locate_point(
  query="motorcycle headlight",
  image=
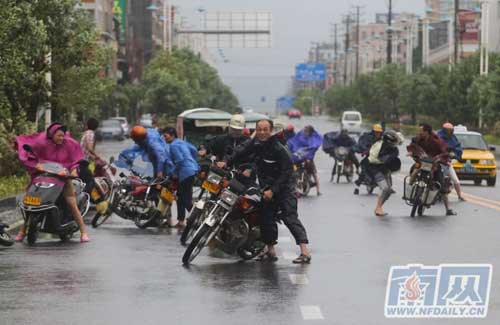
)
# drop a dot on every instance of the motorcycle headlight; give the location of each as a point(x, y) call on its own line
point(486, 162)
point(229, 197)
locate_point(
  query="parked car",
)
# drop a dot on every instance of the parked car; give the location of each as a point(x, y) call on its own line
point(352, 122)
point(478, 161)
point(294, 113)
point(124, 123)
point(110, 129)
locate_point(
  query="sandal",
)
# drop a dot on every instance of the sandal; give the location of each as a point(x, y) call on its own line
point(302, 259)
point(267, 257)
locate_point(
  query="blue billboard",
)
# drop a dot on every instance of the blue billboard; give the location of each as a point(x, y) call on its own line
point(310, 72)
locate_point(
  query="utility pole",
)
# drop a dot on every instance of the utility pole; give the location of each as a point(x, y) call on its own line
point(357, 40)
point(389, 34)
point(347, 44)
point(336, 51)
point(457, 31)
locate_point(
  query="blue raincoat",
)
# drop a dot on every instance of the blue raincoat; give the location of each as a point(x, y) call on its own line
point(154, 149)
point(304, 147)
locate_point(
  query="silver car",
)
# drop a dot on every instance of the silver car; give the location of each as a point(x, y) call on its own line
point(110, 129)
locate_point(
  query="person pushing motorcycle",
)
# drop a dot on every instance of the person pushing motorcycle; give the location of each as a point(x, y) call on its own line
point(275, 174)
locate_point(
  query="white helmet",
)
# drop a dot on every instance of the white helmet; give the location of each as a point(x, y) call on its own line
point(237, 122)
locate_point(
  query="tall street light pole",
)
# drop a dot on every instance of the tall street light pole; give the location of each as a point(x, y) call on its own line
point(389, 34)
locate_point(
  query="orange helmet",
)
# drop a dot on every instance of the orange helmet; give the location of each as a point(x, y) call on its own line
point(138, 133)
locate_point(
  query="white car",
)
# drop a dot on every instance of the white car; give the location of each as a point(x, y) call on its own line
point(124, 123)
point(352, 122)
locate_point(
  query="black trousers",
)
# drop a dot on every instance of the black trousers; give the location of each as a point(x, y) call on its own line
point(283, 206)
point(185, 197)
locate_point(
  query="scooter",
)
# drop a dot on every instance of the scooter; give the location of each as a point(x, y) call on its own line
point(44, 207)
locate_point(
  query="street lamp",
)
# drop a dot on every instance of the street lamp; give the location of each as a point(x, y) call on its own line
point(484, 54)
point(166, 23)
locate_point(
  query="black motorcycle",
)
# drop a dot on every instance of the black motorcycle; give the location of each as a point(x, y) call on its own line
point(231, 224)
point(422, 190)
point(5, 239)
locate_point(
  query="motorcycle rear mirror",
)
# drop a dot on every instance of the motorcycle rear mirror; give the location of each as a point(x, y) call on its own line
point(27, 148)
point(111, 160)
point(122, 174)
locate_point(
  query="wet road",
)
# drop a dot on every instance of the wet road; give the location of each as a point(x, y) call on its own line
point(130, 276)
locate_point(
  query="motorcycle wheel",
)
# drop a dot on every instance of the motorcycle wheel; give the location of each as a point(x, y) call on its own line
point(32, 231)
point(421, 210)
point(191, 226)
point(66, 237)
point(339, 173)
point(99, 219)
point(248, 253)
point(144, 221)
point(5, 239)
point(199, 241)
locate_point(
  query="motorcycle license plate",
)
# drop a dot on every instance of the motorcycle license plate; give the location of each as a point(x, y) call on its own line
point(32, 200)
point(211, 187)
point(95, 195)
point(167, 195)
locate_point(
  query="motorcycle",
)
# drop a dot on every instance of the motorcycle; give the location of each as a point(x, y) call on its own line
point(343, 166)
point(231, 224)
point(43, 206)
point(422, 191)
point(301, 167)
point(212, 185)
point(5, 239)
point(139, 198)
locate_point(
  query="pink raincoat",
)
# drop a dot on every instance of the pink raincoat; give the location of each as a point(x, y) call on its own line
point(68, 154)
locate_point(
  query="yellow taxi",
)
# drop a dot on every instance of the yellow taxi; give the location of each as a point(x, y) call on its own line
point(478, 160)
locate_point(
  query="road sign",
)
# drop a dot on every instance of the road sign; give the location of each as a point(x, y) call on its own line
point(310, 72)
point(285, 102)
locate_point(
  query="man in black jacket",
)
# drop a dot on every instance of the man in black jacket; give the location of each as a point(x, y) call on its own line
point(275, 173)
point(223, 146)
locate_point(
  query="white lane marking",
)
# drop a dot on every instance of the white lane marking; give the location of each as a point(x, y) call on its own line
point(284, 239)
point(289, 256)
point(299, 279)
point(311, 312)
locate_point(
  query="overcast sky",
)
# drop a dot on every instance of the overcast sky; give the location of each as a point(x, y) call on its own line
point(257, 73)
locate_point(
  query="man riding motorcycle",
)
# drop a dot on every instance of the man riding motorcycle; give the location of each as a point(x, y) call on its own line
point(275, 174)
point(54, 145)
point(437, 149)
point(310, 140)
point(446, 133)
point(365, 142)
point(345, 140)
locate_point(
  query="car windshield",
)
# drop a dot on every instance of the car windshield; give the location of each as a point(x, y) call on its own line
point(351, 117)
point(111, 123)
point(472, 141)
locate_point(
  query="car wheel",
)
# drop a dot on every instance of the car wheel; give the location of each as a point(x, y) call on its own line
point(478, 182)
point(491, 181)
